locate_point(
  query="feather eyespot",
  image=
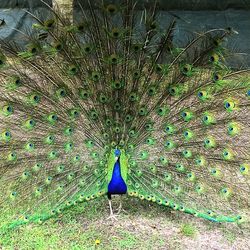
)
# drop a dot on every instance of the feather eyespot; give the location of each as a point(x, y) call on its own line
point(111, 8)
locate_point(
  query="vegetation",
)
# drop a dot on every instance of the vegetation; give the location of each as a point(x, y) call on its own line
point(188, 229)
point(140, 226)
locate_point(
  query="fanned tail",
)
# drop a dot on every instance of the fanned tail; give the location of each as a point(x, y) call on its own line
point(116, 79)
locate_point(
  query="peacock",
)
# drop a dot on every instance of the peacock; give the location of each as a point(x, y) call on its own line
point(109, 104)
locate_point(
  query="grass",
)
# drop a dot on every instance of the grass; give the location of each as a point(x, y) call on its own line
point(140, 226)
point(188, 229)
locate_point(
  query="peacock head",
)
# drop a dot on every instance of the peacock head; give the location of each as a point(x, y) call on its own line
point(117, 154)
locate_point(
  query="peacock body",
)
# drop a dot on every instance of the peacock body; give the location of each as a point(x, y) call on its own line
point(110, 105)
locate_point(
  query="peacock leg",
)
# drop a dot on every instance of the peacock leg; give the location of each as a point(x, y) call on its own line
point(110, 207)
point(112, 216)
point(120, 207)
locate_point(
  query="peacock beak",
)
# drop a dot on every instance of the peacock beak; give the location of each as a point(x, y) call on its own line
point(116, 158)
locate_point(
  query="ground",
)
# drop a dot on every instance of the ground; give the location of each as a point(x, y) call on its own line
point(140, 226)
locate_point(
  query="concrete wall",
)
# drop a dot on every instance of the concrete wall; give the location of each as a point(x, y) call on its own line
point(194, 15)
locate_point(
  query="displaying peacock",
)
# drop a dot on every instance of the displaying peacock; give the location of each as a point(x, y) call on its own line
point(109, 104)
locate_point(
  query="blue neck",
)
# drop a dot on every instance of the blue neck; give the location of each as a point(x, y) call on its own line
point(117, 185)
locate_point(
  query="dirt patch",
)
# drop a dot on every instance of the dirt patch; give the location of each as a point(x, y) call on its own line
point(165, 233)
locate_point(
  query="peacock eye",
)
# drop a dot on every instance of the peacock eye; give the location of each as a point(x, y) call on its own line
point(59, 47)
point(33, 50)
point(132, 97)
point(80, 27)
point(54, 117)
point(172, 91)
point(87, 49)
point(152, 26)
point(111, 8)
point(116, 34)
point(212, 59)
point(95, 76)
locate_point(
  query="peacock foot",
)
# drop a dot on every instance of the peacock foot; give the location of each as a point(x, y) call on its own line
point(113, 217)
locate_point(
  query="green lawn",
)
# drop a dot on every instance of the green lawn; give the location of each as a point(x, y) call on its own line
point(141, 226)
